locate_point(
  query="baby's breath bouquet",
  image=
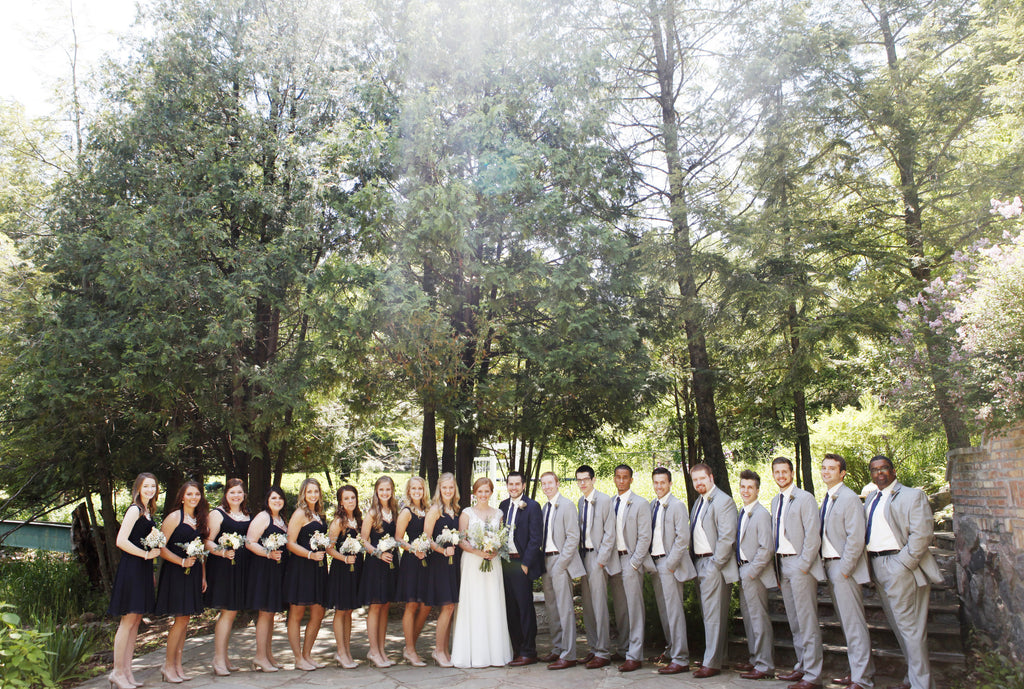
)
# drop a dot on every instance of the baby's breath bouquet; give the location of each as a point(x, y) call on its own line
point(490, 538)
point(448, 538)
point(351, 546)
point(194, 548)
point(385, 544)
point(421, 544)
point(230, 541)
point(274, 541)
point(154, 540)
point(319, 541)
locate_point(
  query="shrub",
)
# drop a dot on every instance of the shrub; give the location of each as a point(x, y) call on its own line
point(23, 660)
point(47, 585)
point(67, 649)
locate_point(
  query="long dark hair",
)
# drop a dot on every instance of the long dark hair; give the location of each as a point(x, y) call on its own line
point(266, 502)
point(202, 509)
point(149, 509)
point(339, 512)
point(231, 483)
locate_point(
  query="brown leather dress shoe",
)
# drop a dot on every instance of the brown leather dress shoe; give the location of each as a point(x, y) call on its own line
point(587, 658)
point(549, 658)
point(520, 661)
point(794, 676)
point(757, 674)
point(706, 672)
point(561, 664)
point(630, 666)
point(843, 681)
point(598, 663)
point(673, 669)
point(804, 684)
point(743, 667)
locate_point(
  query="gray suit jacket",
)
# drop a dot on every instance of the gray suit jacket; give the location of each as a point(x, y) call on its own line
point(910, 518)
point(636, 531)
point(565, 532)
point(803, 530)
point(675, 530)
point(602, 531)
point(719, 522)
point(844, 527)
point(758, 545)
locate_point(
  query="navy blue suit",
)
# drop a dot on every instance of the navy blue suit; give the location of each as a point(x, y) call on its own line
point(522, 619)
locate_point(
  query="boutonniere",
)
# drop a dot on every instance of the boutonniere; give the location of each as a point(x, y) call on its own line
point(520, 504)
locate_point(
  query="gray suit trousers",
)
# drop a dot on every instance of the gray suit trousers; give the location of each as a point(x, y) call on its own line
point(561, 612)
point(668, 592)
point(594, 586)
point(800, 594)
point(849, 602)
point(906, 607)
point(714, 604)
point(756, 621)
point(628, 600)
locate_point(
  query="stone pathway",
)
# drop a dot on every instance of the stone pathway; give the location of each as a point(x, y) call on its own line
point(199, 650)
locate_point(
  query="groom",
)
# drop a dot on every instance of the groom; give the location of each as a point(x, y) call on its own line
point(525, 563)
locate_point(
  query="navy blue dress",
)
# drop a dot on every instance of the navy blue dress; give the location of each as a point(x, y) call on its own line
point(343, 582)
point(379, 579)
point(226, 583)
point(179, 594)
point(443, 578)
point(266, 578)
point(413, 583)
point(305, 580)
point(133, 590)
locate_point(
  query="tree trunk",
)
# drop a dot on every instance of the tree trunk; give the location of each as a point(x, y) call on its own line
point(448, 447)
point(428, 447)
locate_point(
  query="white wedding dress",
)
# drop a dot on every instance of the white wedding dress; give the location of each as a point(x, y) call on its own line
point(480, 637)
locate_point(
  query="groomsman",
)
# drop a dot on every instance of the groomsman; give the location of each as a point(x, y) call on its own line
point(632, 544)
point(525, 563)
point(562, 563)
point(755, 552)
point(842, 550)
point(713, 542)
point(899, 531)
point(797, 529)
point(597, 546)
point(671, 566)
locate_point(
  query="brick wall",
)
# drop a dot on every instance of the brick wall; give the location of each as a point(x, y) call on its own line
point(987, 485)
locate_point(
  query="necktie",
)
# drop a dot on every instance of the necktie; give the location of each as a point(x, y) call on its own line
point(654, 518)
point(778, 522)
point(583, 527)
point(824, 511)
point(617, 498)
point(547, 519)
point(511, 519)
point(739, 534)
point(696, 514)
point(871, 516)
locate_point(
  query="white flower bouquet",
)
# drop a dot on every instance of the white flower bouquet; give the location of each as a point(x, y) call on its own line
point(448, 538)
point(351, 546)
point(155, 540)
point(421, 544)
point(319, 541)
point(385, 544)
point(274, 541)
point(230, 541)
point(490, 538)
point(194, 548)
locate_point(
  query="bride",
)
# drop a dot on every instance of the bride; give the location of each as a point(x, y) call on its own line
point(481, 636)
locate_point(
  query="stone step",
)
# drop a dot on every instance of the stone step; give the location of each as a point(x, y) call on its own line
point(941, 637)
point(835, 654)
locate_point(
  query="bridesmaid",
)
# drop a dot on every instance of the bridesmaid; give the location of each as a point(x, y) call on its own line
point(377, 585)
point(182, 578)
point(305, 579)
point(227, 570)
point(442, 577)
point(133, 595)
point(343, 581)
point(266, 577)
point(412, 579)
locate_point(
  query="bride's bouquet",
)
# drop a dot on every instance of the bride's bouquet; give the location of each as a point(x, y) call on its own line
point(319, 541)
point(421, 544)
point(448, 538)
point(231, 541)
point(351, 546)
point(155, 540)
point(194, 548)
point(385, 544)
point(490, 538)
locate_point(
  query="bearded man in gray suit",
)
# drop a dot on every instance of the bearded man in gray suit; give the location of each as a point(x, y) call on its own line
point(796, 526)
point(842, 551)
point(670, 567)
point(560, 543)
point(899, 530)
point(755, 552)
point(597, 548)
point(712, 544)
point(633, 545)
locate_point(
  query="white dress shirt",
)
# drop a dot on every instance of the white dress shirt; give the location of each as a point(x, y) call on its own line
point(827, 549)
point(589, 506)
point(620, 539)
point(747, 509)
point(701, 544)
point(513, 510)
point(881, 537)
point(785, 547)
point(658, 537)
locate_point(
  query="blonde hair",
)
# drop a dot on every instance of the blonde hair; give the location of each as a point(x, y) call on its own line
point(318, 508)
point(438, 501)
point(376, 512)
point(424, 502)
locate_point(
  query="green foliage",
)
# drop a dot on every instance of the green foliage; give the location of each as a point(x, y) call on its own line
point(67, 648)
point(992, 670)
point(47, 586)
point(860, 432)
point(23, 659)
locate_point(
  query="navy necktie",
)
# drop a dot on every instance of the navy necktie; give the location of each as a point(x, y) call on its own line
point(583, 527)
point(824, 511)
point(617, 498)
point(654, 518)
point(778, 522)
point(739, 534)
point(547, 519)
point(696, 515)
point(871, 516)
